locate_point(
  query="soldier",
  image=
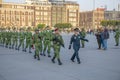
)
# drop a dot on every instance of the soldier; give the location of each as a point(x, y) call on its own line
point(57, 43)
point(21, 39)
point(41, 34)
point(47, 41)
point(4, 37)
point(15, 38)
point(117, 36)
point(8, 38)
point(83, 35)
point(75, 40)
point(36, 42)
point(28, 39)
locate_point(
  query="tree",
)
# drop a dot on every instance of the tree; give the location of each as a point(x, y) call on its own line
point(104, 23)
point(63, 25)
point(40, 26)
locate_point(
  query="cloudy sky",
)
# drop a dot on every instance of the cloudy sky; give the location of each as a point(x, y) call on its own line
point(87, 4)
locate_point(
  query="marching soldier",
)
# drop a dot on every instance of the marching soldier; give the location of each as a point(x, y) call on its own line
point(8, 38)
point(47, 41)
point(21, 39)
point(117, 36)
point(83, 35)
point(41, 34)
point(36, 43)
point(28, 39)
point(15, 38)
point(57, 43)
point(75, 40)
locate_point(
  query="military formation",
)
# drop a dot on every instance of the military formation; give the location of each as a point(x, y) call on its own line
point(42, 41)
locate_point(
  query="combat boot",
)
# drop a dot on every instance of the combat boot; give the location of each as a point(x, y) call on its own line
point(30, 50)
point(49, 55)
point(59, 62)
point(38, 57)
point(25, 50)
point(53, 59)
point(34, 56)
point(44, 54)
point(41, 54)
point(12, 47)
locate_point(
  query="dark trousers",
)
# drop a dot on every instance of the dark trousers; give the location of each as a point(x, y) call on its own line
point(76, 55)
point(99, 43)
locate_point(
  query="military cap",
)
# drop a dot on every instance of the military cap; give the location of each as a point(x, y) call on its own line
point(76, 29)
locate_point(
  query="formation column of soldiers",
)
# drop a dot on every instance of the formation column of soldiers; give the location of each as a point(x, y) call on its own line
point(41, 41)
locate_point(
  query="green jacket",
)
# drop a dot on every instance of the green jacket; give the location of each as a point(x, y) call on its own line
point(117, 34)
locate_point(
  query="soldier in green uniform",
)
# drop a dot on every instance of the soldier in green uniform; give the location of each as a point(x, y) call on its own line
point(14, 38)
point(117, 36)
point(47, 41)
point(8, 38)
point(57, 43)
point(4, 37)
point(41, 42)
point(21, 39)
point(36, 43)
point(28, 39)
point(83, 35)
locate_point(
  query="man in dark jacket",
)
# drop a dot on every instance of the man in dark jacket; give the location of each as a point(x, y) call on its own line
point(75, 39)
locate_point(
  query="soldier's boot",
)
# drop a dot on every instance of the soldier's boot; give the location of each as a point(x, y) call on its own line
point(16, 48)
point(53, 60)
point(116, 45)
point(6, 46)
point(12, 46)
point(41, 53)
point(49, 55)
point(44, 54)
point(34, 56)
point(25, 50)
point(59, 62)
point(30, 50)
point(38, 57)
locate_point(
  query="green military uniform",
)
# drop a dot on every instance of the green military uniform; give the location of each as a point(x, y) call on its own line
point(57, 43)
point(83, 34)
point(36, 42)
point(4, 37)
point(117, 36)
point(47, 41)
point(9, 38)
point(28, 40)
point(21, 39)
point(41, 45)
point(15, 39)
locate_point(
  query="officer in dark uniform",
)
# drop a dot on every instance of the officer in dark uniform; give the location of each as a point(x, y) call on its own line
point(75, 39)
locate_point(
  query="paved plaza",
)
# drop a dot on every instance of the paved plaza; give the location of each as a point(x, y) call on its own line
point(95, 64)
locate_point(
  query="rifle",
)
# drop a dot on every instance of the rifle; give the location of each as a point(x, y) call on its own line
point(57, 40)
